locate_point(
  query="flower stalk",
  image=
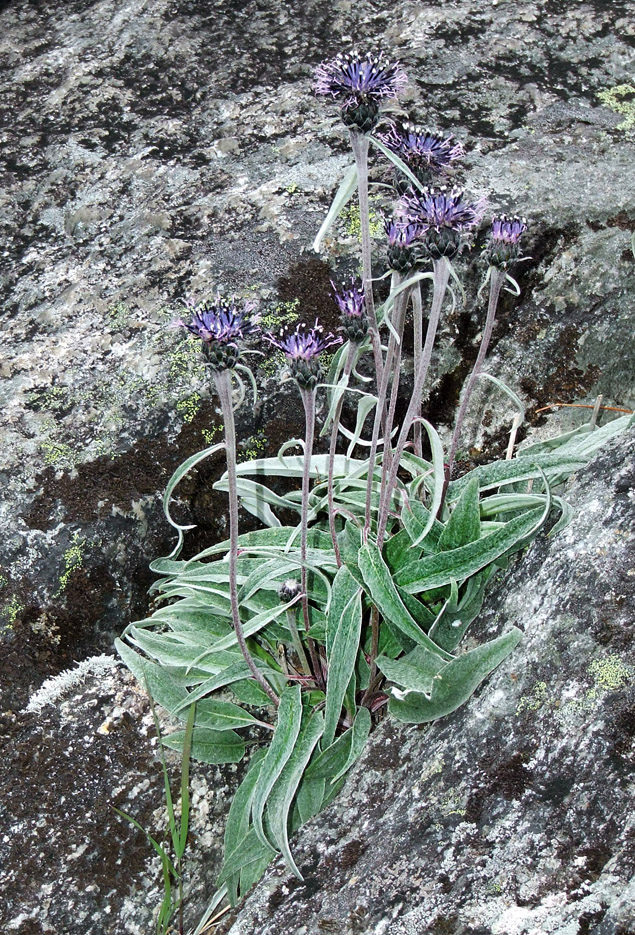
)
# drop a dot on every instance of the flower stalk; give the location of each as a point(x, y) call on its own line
point(393, 354)
point(308, 401)
point(222, 381)
point(359, 143)
point(348, 366)
point(441, 276)
point(497, 280)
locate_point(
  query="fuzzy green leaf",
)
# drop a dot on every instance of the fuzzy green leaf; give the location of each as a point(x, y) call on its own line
point(454, 684)
point(464, 525)
point(413, 672)
point(382, 590)
point(343, 195)
point(281, 796)
point(222, 715)
point(280, 749)
point(342, 662)
point(434, 571)
point(209, 746)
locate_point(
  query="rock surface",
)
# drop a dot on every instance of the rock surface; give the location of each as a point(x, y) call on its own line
point(152, 150)
point(514, 815)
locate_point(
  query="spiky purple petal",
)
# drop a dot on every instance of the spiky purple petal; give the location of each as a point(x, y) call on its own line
point(303, 344)
point(351, 302)
point(508, 230)
point(442, 209)
point(354, 79)
point(421, 149)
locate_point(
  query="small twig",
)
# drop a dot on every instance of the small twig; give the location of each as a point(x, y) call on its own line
point(584, 406)
point(214, 919)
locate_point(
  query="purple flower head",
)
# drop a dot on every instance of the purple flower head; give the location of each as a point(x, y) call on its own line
point(442, 209)
point(352, 306)
point(442, 217)
point(350, 302)
point(508, 230)
point(302, 350)
point(360, 83)
point(403, 244)
point(354, 77)
point(221, 325)
point(422, 151)
point(505, 236)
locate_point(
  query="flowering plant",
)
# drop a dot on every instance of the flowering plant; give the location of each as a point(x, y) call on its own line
point(307, 634)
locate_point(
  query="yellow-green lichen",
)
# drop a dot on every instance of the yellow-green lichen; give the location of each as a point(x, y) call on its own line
point(621, 99)
point(273, 364)
point(212, 434)
point(73, 559)
point(57, 452)
point(189, 407)
point(352, 224)
point(186, 362)
point(535, 700)
point(253, 447)
point(610, 673)
point(452, 803)
point(118, 315)
point(284, 314)
point(11, 611)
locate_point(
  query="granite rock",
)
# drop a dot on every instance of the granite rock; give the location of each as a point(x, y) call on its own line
point(155, 150)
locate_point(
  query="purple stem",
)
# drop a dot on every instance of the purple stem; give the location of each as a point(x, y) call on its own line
point(441, 277)
point(497, 279)
point(380, 416)
point(308, 401)
point(222, 379)
point(417, 314)
point(359, 143)
point(336, 421)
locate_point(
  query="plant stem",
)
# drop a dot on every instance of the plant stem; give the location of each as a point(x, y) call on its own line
point(374, 650)
point(380, 417)
point(441, 276)
point(359, 143)
point(497, 278)
point(308, 401)
point(394, 392)
point(417, 314)
point(336, 421)
point(222, 379)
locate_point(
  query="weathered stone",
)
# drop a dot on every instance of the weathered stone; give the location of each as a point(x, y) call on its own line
point(151, 150)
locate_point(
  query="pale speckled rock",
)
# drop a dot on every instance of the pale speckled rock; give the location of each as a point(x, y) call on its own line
point(86, 743)
point(514, 815)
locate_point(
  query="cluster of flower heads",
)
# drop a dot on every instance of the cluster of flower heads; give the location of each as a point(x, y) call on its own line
point(222, 325)
point(428, 223)
point(360, 83)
